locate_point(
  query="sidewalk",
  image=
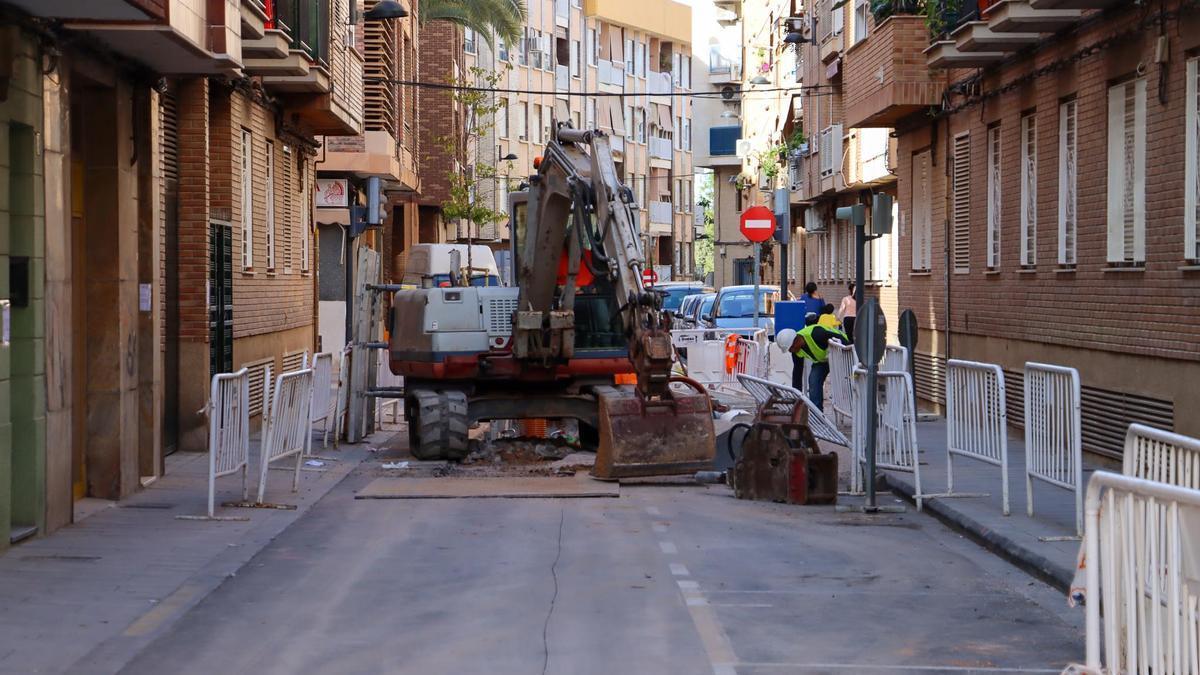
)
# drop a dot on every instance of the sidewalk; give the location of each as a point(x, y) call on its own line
point(1015, 537)
point(88, 597)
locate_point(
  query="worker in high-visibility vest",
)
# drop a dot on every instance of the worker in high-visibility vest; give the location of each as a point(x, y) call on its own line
point(812, 343)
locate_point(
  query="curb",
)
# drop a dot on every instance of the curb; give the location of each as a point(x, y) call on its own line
point(1023, 557)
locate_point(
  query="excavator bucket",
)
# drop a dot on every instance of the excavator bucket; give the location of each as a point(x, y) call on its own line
point(653, 438)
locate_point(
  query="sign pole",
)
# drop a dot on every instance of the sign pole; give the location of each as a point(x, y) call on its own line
point(757, 255)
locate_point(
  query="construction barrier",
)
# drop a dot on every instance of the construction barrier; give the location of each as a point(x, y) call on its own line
point(342, 397)
point(1141, 539)
point(385, 379)
point(765, 391)
point(323, 393)
point(895, 430)
point(841, 366)
point(228, 430)
point(976, 420)
point(1053, 440)
point(895, 359)
point(1162, 456)
point(287, 424)
point(716, 356)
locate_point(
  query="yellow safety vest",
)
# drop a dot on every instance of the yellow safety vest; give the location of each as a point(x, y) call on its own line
point(818, 355)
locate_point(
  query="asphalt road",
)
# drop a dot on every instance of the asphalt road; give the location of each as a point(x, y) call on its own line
point(661, 580)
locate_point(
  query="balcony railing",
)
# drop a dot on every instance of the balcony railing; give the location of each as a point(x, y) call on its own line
point(660, 213)
point(723, 140)
point(719, 64)
point(943, 23)
point(562, 78)
point(308, 21)
point(660, 148)
point(659, 83)
point(610, 73)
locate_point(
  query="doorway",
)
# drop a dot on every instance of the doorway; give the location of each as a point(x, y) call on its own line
point(220, 300)
point(743, 271)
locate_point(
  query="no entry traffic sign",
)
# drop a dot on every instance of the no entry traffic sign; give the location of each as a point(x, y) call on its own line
point(758, 223)
point(649, 276)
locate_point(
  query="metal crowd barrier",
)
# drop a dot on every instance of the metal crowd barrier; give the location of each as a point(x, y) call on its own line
point(286, 425)
point(976, 420)
point(1053, 440)
point(1162, 456)
point(896, 428)
point(1141, 538)
point(765, 391)
point(228, 430)
point(322, 398)
point(841, 367)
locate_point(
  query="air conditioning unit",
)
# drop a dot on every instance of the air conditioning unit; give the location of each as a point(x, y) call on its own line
point(743, 148)
point(813, 222)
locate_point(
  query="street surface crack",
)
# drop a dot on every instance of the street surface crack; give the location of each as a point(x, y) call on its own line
point(562, 514)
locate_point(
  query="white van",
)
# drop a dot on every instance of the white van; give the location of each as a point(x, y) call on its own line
point(431, 266)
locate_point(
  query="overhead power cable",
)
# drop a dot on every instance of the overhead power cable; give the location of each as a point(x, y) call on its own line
point(810, 90)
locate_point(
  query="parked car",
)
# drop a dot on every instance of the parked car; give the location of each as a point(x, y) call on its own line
point(674, 292)
point(702, 306)
point(685, 316)
point(734, 308)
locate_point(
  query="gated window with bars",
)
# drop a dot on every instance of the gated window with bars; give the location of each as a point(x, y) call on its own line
point(961, 203)
point(1067, 158)
point(306, 205)
point(1191, 212)
point(922, 243)
point(995, 203)
point(1028, 190)
point(247, 202)
point(220, 300)
point(270, 199)
point(1127, 172)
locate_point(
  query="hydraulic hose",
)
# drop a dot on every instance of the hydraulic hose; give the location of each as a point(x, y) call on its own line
point(729, 439)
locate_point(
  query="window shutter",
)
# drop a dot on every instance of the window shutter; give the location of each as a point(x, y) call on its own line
point(1116, 174)
point(836, 144)
point(961, 202)
point(1028, 190)
point(1067, 157)
point(1192, 161)
point(1139, 172)
point(921, 243)
point(995, 204)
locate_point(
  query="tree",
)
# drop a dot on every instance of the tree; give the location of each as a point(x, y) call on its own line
point(506, 18)
point(704, 247)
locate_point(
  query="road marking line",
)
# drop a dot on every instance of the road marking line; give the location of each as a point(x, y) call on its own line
point(151, 620)
point(739, 604)
point(862, 667)
point(688, 585)
point(668, 548)
point(659, 528)
point(723, 669)
point(653, 510)
point(697, 602)
point(679, 570)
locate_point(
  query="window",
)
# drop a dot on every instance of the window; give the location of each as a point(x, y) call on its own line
point(535, 123)
point(522, 123)
point(1067, 156)
point(1127, 172)
point(575, 119)
point(1028, 190)
point(470, 41)
point(591, 114)
point(501, 49)
point(575, 67)
point(247, 203)
point(862, 9)
point(306, 206)
point(547, 120)
point(629, 121)
point(641, 125)
point(679, 136)
point(645, 65)
point(1191, 199)
point(960, 220)
point(687, 134)
point(502, 118)
point(995, 203)
point(270, 199)
point(591, 46)
point(640, 59)
point(630, 58)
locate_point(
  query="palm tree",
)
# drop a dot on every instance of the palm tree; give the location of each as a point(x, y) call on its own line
point(506, 18)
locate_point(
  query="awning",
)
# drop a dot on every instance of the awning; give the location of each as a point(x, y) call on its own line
point(616, 47)
point(562, 111)
point(617, 113)
point(662, 117)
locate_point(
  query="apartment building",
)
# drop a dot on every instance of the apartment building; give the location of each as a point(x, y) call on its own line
point(844, 156)
point(1047, 181)
point(636, 53)
point(157, 161)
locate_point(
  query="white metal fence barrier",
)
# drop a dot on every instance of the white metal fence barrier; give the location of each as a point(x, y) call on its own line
point(841, 367)
point(895, 359)
point(896, 429)
point(228, 430)
point(976, 421)
point(765, 390)
point(716, 356)
point(1162, 456)
point(1142, 539)
point(342, 397)
point(385, 379)
point(1053, 440)
point(323, 393)
point(286, 429)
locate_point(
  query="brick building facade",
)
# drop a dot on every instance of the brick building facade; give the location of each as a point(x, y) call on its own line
point(1045, 213)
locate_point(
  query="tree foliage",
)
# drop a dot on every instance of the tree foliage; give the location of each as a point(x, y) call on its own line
point(506, 18)
point(481, 108)
point(703, 250)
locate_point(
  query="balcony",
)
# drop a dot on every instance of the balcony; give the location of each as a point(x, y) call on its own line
point(945, 54)
point(661, 218)
point(660, 148)
point(274, 44)
point(611, 74)
point(658, 84)
point(977, 36)
point(722, 70)
point(254, 19)
point(1018, 16)
point(666, 18)
point(562, 80)
point(1071, 4)
point(722, 145)
point(375, 153)
point(885, 79)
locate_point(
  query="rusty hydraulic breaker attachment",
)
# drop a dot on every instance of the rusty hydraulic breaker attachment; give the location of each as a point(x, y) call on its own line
point(782, 463)
point(642, 436)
